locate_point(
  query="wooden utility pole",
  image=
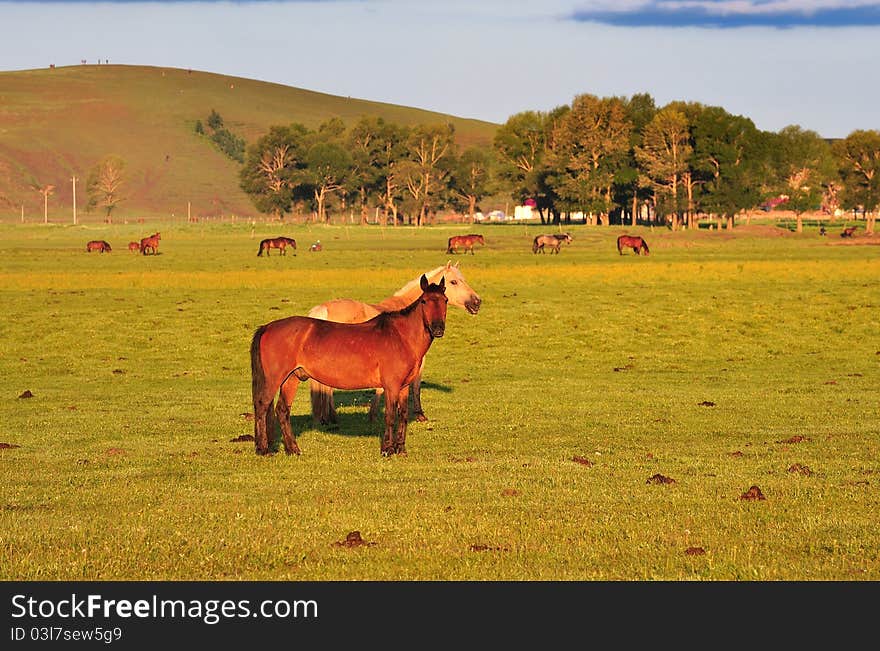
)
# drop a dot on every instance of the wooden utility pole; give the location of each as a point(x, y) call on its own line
point(74, 199)
point(46, 192)
point(188, 212)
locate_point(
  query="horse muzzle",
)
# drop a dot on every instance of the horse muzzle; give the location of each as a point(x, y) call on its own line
point(473, 304)
point(437, 329)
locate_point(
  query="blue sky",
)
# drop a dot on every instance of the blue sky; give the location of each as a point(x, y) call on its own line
point(780, 62)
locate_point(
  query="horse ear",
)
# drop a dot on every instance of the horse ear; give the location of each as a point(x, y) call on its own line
point(458, 264)
point(423, 283)
point(449, 264)
point(442, 283)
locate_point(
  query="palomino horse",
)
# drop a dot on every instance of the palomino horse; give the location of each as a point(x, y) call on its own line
point(134, 246)
point(465, 242)
point(280, 243)
point(98, 245)
point(553, 241)
point(385, 352)
point(345, 310)
point(637, 244)
point(152, 243)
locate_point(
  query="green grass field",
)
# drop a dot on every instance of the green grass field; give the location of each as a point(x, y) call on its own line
point(722, 361)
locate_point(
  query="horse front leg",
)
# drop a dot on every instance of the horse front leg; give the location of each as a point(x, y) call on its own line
point(282, 411)
point(416, 387)
point(402, 408)
point(387, 448)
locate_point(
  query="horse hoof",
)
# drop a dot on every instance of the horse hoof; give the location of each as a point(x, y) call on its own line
point(263, 452)
point(295, 451)
point(421, 417)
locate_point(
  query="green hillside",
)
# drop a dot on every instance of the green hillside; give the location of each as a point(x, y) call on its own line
point(59, 122)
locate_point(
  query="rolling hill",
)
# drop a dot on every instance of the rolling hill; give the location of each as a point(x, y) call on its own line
point(56, 123)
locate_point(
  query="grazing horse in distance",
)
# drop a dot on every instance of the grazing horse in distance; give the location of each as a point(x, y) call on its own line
point(151, 243)
point(345, 310)
point(134, 246)
point(637, 244)
point(553, 241)
point(98, 245)
point(848, 231)
point(464, 241)
point(280, 243)
point(385, 352)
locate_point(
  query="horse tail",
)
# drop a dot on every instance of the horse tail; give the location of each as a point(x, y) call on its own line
point(260, 252)
point(258, 375)
point(645, 247)
point(535, 244)
point(322, 401)
point(619, 247)
point(449, 245)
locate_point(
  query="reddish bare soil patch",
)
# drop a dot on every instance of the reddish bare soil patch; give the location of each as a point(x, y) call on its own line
point(706, 403)
point(754, 493)
point(242, 438)
point(462, 459)
point(797, 438)
point(247, 415)
point(8, 446)
point(510, 492)
point(737, 453)
point(800, 469)
point(583, 461)
point(694, 551)
point(353, 539)
point(27, 394)
point(111, 452)
point(660, 479)
point(488, 548)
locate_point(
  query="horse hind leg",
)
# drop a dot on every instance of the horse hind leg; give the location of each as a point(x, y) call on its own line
point(374, 405)
point(282, 411)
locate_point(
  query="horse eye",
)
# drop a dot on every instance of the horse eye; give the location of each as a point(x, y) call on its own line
point(453, 282)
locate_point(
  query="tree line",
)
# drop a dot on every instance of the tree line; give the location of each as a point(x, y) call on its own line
point(611, 158)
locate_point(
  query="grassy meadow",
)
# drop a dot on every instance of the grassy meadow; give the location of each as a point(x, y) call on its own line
point(722, 361)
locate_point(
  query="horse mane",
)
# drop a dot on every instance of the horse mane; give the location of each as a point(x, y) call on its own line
point(406, 289)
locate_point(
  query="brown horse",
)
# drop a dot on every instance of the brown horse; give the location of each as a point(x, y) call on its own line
point(637, 244)
point(385, 352)
point(465, 242)
point(345, 310)
point(553, 241)
point(152, 243)
point(134, 246)
point(280, 243)
point(98, 245)
point(315, 247)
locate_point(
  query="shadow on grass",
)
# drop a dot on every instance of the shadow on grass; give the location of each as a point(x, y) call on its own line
point(349, 423)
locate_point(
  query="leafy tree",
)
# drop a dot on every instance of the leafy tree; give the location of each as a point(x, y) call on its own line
point(366, 144)
point(591, 142)
point(471, 178)
point(858, 164)
point(520, 145)
point(663, 157)
point(429, 148)
point(391, 154)
point(727, 155)
point(272, 164)
point(640, 110)
point(199, 129)
point(104, 184)
point(327, 164)
point(805, 167)
point(215, 122)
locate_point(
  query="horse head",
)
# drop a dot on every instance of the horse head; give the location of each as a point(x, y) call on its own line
point(433, 303)
point(459, 293)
